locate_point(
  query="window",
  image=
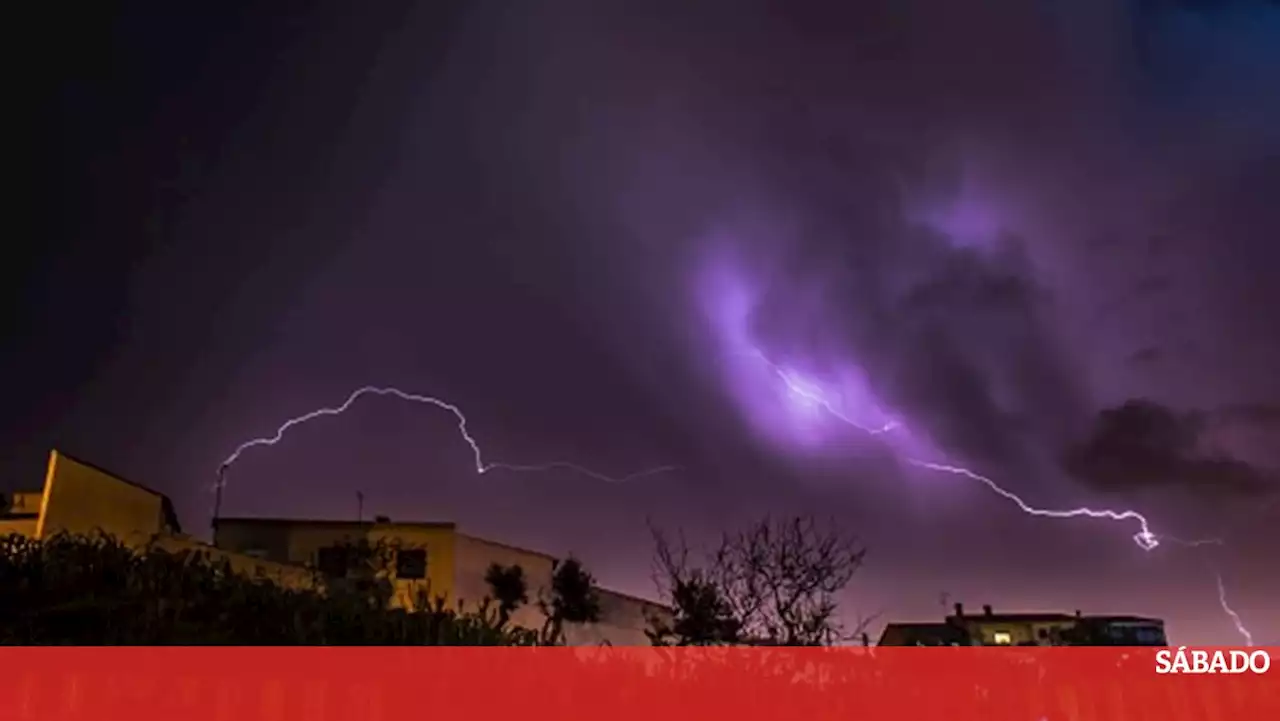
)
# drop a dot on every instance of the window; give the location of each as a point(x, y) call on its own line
point(411, 564)
point(332, 562)
point(1002, 638)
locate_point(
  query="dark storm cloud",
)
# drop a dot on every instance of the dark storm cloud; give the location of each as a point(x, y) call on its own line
point(843, 131)
point(1142, 444)
point(954, 340)
point(917, 180)
point(955, 333)
point(1256, 415)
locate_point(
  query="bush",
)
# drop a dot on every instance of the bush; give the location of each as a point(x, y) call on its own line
point(80, 590)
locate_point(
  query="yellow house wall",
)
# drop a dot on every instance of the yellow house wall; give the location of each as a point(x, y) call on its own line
point(440, 544)
point(25, 501)
point(20, 526)
point(81, 499)
point(299, 544)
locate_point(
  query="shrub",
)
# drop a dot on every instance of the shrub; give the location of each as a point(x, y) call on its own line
point(94, 590)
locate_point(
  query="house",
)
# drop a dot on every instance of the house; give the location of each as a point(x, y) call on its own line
point(1027, 629)
point(82, 499)
point(78, 497)
point(923, 634)
point(431, 559)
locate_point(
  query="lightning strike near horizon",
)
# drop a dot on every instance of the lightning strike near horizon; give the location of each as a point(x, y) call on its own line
point(1145, 538)
point(1235, 617)
point(481, 465)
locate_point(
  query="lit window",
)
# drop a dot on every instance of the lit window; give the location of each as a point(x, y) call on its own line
point(1002, 639)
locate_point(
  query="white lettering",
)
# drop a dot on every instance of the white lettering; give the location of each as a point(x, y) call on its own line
point(1180, 664)
point(1239, 661)
point(1260, 661)
point(1197, 661)
point(1200, 662)
point(1218, 664)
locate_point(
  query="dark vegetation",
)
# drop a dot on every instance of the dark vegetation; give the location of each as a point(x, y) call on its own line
point(772, 584)
point(97, 591)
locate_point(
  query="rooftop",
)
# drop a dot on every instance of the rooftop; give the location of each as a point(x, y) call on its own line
point(923, 634)
point(327, 523)
point(988, 615)
point(1014, 618)
point(387, 523)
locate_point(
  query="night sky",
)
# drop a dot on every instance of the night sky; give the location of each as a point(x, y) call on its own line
point(1038, 239)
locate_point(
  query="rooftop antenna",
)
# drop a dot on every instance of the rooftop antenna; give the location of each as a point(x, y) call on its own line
point(944, 599)
point(359, 507)
point(217, 495)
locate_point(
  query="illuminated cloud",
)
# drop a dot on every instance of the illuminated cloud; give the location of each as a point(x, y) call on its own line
point(798, 400)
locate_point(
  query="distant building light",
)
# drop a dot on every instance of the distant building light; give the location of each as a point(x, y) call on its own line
point(1002, 639)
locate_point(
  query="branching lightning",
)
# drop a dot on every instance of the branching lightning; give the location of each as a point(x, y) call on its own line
point(481, 465)
point(1146, 539)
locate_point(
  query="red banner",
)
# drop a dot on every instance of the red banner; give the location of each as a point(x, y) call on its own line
point(531, 684)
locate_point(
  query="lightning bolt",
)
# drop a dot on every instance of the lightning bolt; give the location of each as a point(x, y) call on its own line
point(1235, 617)
point(481, 465)
point(810, 394)
point(1145, 538)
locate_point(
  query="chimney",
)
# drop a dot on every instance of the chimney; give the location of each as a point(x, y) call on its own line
point(381, 519)
point(959, 610)
point(1078, 614)
point(986, 609)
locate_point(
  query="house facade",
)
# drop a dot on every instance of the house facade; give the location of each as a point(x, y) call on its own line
point(425, 560)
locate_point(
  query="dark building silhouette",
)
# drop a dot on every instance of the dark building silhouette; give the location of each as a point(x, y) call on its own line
point(1027, 629)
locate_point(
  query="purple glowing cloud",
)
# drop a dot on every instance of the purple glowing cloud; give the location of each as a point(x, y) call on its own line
point(797, 409)
point(791, 401)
